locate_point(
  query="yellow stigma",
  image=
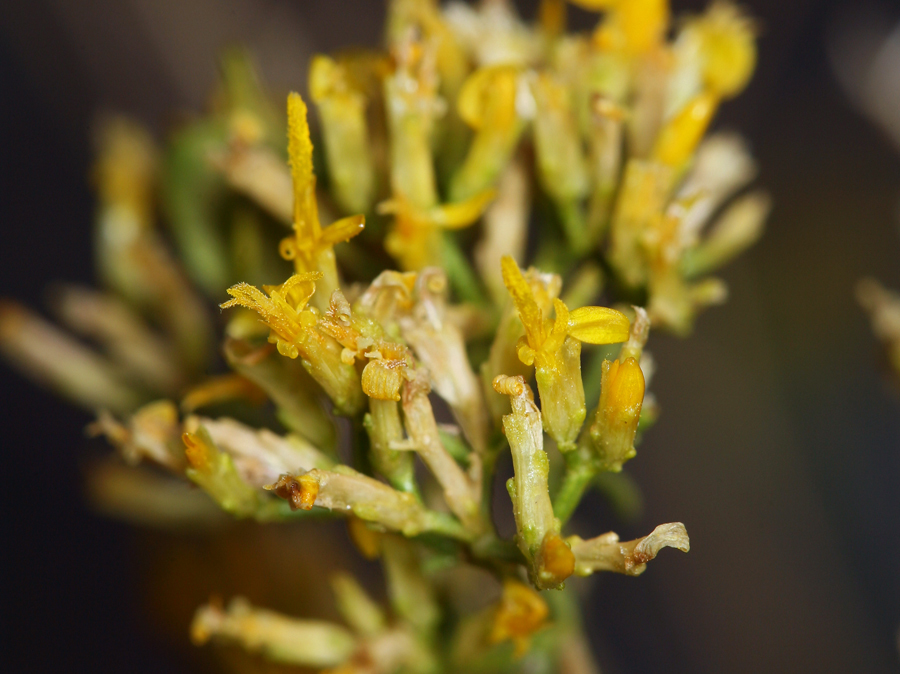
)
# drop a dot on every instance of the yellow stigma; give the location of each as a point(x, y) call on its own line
point(300, 151)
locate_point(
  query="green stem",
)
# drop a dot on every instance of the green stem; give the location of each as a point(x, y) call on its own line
point(578, 476)
point(574, 225)
point(447, 525)
point(460, 273)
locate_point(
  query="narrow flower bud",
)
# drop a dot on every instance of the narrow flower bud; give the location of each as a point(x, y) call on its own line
point(355, 605)
point(44, 353)
point(536, 525)
point(345, 132)
point(347, 491)
point(259, 456)
point(412, 104)
point(298, 401)
point(487, 103)
point(152, 433)
point(738, 228)
point(618, 413)
point(642, 199)
point(410, 592)
point(461, 491)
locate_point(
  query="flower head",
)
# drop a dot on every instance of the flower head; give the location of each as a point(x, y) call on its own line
point(283, 308)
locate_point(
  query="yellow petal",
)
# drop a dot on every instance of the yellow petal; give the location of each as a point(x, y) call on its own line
point(529, 312)
point(343, 229)
point(462, 213)
point(598, 325)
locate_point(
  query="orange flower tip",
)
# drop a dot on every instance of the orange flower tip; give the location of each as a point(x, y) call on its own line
point(557, 560)
point(300, 492)
point(198, 453)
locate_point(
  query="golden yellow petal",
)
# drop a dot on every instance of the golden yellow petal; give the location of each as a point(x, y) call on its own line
point(598, 325)
point(462, 213)
point(625, 394)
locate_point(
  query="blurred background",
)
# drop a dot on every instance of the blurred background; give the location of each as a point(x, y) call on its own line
point(779, 440)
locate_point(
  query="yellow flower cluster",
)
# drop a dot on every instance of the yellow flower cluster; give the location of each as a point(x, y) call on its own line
point(437, 151)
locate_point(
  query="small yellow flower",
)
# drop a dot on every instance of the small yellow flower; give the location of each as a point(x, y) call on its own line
point(296, 333)
point(284, 310)
point(520, 613)
point(727, 43)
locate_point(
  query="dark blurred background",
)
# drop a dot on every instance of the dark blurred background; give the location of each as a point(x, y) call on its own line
point(779, 440)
